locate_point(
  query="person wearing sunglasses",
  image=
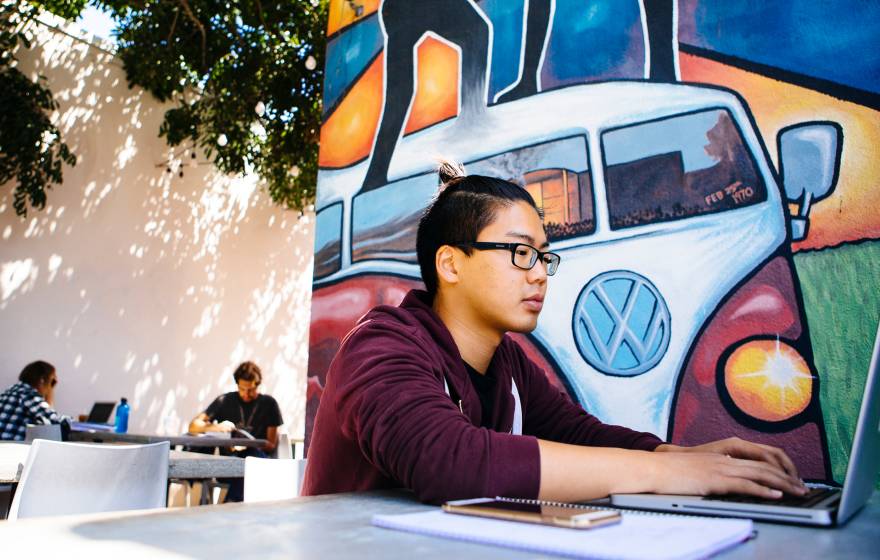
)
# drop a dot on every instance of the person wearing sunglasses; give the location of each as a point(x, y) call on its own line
point(29, 401)
point(432, 395)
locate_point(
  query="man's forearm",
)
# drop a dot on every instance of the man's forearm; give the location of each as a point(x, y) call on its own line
point(573, 473)
point(576, 473)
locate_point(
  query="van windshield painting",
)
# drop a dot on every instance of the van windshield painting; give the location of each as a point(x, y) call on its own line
point(556, 173)
point(678, 167)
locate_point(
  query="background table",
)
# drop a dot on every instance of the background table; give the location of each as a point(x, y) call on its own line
point(338, 526)
point(189, 465)
point(189, 441)
point(181, 464)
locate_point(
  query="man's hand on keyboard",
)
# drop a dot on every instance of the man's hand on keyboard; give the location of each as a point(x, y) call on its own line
point(736, 466)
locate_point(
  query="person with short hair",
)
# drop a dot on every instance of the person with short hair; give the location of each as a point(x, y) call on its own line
point(29, 401)
point(244, 409)
point(432, 395)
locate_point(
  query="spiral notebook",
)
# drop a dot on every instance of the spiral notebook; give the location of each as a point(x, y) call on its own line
point(639, 535)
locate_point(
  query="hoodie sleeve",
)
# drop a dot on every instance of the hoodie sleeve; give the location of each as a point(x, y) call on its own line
point(391, 402)
point(550, 414)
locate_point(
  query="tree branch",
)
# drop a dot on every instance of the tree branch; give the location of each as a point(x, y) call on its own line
point(260, 13)
point(173, 28)
point(200, 27)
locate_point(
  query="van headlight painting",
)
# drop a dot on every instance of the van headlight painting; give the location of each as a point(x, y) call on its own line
point(768, 380)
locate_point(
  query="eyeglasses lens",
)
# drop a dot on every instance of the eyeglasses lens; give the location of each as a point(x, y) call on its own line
point(524, 256)
point(552, 262)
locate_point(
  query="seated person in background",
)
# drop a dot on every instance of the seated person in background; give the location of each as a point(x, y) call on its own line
point(244, 409)
point(29, 401)
point(433, 396)
point(248, 410)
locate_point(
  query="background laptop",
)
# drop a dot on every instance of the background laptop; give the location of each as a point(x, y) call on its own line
point(98, 420)
point(823, 505)
point(100, 413)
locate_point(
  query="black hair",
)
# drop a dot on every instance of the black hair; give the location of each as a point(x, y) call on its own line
point(36, 372)
point(248, 371)
point(465, 205)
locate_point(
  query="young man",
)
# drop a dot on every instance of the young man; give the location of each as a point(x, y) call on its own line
point(244, 408)
point(247, 409)
point(433, 396)
point(29, 401)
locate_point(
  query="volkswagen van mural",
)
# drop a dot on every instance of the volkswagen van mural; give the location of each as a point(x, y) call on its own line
point(676, 309)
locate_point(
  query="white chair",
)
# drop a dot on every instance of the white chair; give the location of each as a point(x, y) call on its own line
point(272, 479)
point(284, 449)
point(65, 478)
point(51, 432)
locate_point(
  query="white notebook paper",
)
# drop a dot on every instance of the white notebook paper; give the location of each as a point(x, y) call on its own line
point(12, 459)
point(637, 536)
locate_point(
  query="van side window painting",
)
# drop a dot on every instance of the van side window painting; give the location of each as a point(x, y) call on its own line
point(328, 238)
point(567, 200)
point(678, 167)
point(384, 220)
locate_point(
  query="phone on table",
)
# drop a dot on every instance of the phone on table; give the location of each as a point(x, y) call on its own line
point(572, 517)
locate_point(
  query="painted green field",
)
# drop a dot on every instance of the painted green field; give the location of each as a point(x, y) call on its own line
point(843, 306)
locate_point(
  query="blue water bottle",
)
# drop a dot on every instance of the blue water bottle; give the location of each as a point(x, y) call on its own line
point(122, 410)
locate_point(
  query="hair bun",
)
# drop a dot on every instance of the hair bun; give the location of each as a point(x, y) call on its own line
point(449, 170)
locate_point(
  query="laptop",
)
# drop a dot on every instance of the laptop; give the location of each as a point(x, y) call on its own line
point(100, 413)
point(98, 420)
point(823, 505)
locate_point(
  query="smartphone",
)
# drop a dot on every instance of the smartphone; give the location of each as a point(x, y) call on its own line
point(545, 514)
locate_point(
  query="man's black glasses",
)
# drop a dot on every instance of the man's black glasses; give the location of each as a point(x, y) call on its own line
point(521, 255)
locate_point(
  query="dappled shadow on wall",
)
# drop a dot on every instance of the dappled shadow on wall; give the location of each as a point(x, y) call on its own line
point(145, 278)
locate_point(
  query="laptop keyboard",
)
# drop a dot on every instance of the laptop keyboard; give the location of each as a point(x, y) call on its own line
point(811, 498)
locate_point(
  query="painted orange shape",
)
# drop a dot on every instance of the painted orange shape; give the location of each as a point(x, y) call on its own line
point(436, 96)
point(343, 13)
point(768, 380)
point(347, 135)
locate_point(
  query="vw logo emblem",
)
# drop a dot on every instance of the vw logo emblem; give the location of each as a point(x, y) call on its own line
point(621, 324)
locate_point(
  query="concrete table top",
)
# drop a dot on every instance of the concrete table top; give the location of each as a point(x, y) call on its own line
point(338, 526)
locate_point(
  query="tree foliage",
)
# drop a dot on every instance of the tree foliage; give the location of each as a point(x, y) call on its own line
point(244, 78)
point(31, 149)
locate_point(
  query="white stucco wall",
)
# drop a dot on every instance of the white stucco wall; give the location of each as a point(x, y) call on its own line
point(139, 283)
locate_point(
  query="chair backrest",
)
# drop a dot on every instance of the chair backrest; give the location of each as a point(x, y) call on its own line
point(62, 478)
point(42, 431)
point(284, 449)
point(272, 479)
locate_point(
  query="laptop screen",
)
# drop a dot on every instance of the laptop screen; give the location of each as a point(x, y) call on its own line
point(101, 412)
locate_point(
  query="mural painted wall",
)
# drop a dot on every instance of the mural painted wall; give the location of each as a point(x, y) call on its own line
point(707, 173)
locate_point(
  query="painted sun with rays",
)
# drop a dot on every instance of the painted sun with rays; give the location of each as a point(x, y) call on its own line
point(769, 380)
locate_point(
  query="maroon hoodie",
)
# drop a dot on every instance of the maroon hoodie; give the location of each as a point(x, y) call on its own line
point(385, 420)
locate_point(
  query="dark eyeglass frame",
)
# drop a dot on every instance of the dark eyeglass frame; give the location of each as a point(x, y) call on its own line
point(536, 255)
